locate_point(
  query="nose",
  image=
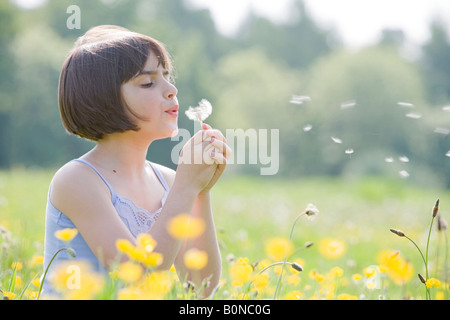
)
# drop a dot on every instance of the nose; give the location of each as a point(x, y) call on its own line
point(171, 90)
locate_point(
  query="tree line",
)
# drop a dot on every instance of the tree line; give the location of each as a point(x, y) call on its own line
point(371, 111)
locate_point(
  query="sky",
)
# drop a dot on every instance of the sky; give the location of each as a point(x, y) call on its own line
point(358, 22)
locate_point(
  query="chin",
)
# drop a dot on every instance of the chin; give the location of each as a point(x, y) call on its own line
point(174, 133)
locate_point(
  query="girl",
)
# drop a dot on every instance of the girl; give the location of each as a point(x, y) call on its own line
point(115, 89)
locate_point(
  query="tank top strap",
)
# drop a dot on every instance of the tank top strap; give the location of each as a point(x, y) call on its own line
point(160, 176)
point(99, 174)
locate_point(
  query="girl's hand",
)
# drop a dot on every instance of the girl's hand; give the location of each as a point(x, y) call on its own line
point(203, 159)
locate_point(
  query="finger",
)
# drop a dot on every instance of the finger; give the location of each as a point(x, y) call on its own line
point(208, 152)
point(206, 126)
point(218, 157)
point(222, 147)
point(216, 134)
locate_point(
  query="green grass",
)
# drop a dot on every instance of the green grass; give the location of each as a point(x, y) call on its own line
point(251, 210)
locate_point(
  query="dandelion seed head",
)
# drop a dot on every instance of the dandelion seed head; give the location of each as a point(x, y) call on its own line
point(448, 154)
point(389, 159)
point(446, 108)
point(403, 159)
point(201, 112)
point(307, 128)
point(311, 210)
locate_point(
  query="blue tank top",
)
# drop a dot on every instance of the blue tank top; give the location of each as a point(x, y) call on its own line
point(138, 220)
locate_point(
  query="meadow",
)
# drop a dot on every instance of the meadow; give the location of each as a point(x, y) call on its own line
point(271, 247)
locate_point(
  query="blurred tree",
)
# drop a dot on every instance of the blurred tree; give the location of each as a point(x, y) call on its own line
point(357, 97)
point(436, 64)
point(9, 28)
point(252, 92)
point(298, 42)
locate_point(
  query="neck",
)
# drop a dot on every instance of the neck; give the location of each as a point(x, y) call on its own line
point(122, 152)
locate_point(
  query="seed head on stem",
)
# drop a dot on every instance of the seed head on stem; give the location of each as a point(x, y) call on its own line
point(398, 232)
point(436, 208)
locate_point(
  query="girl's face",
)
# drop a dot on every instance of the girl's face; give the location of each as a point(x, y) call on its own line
point(153, 98)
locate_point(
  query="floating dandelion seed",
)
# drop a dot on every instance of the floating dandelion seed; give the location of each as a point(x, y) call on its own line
point(443, 131)
point(307, 128)
point(348, 104)
point(349, 151)
point(336, 140)
point(403, 173)
point(403, 159)
point(413, 115)
point(448, 154)
point(201, 112)
point(299, 99)
point(406, 104)
point(446, 108)
point(389, 159)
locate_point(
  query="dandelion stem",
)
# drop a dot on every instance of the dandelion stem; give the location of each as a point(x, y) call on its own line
point(48, 266)
point(424, 261)
point(277, 288)
point(426, 254)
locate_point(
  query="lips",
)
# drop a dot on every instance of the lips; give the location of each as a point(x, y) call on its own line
point(173, 111)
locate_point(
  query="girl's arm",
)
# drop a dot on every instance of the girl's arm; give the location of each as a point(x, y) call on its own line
point(190, 193)
point(86, 201)
point(209, 276)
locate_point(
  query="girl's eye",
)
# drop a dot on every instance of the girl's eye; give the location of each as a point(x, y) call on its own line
point(147, 85)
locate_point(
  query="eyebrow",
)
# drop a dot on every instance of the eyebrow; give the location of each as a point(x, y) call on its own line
point(151, 72)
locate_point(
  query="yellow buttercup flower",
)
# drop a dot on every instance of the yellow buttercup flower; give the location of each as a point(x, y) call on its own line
point(129, 271)
point(332, 248)
point(8, 295)
point(432, 283)
point(183, 226)
point(278, 248)
point(156, 285)
point(36, 282)
point(356, 277)
point(124, 246)
point(346, 296)
point(369, 272)
point(128, 294)
point(294, 295)
point(66, 234)
point(145, 242)
point(195, 259)
point(76, 280)
point(240, 272)
point(293, 279)
point(37, 259)
point(142, 251)
point(260, 281)
point(18, 265)
point(337, 272)
point(398, 269)
point(152, 259)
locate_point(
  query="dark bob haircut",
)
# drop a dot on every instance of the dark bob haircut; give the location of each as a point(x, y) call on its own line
point(89, 92)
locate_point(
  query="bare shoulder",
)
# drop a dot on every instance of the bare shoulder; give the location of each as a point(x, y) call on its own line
point(167, 173)
point(74, 184)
